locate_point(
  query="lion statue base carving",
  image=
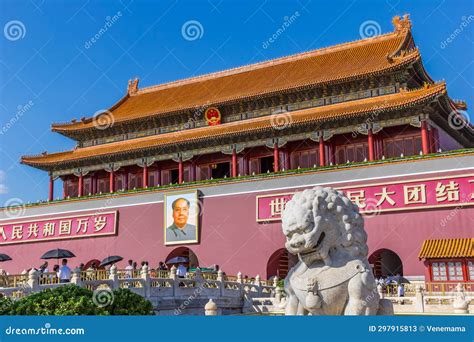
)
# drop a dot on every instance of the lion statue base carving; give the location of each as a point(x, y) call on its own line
point(333, 276)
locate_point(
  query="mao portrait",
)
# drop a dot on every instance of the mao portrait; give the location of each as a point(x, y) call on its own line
point(181, 218)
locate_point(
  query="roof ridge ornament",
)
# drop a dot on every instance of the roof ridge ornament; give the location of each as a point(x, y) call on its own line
point(133, 86)
point(401, 24)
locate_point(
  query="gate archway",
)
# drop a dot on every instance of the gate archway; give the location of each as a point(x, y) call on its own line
point(385, 263)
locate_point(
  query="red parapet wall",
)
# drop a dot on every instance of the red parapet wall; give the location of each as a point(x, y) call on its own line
point(231, 237)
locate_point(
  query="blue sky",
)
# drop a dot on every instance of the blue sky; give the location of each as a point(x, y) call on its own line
point(51, 72)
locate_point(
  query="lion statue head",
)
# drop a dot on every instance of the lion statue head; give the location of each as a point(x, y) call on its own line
point(322, 224)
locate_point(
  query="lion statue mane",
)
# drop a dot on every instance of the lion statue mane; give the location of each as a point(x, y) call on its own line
point(333, 276)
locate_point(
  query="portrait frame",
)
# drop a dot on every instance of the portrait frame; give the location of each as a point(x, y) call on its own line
point(193, 219)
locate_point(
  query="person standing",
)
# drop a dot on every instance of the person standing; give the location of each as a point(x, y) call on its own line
point(181, 271)
point(64, 272)
point(129, 269)
point(44, 268)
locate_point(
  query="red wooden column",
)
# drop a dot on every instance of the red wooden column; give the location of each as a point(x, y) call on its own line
point(93, 184)
point(65, 182)
point(276, 158)
point(465, 270)
point(322, 152)
point(180, 171)
point(192, 171)
point(51, 189)
point(80, 186)
point(370, 141)
point(425, 144)
point(145, 175)
point(234, 162)
point(158, 175)
point(111, 181)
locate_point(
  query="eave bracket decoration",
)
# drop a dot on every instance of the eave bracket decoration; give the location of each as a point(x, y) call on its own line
point(182, 156)
point(280, 142)
point(416, 120)
point(326, 135)
point(112, 167)
point(80, 172)
point(227, 149)
point(146, 161)
point(364, 128)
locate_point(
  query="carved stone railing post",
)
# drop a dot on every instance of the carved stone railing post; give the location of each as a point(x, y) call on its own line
point(220, 279)
point(275, 281)
point(76, 277)
point(241, 286)
point(419, 299)
point(33, 280)
point(173, 277)
point(114, 277)
point(146, 280)
point(239, 277)
point(210, 309)
point(258, 285)
point(278, 296)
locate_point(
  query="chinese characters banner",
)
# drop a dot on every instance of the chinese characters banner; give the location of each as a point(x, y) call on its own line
point(407, 195)
point(60, 228)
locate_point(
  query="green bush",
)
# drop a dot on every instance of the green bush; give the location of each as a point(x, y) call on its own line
point(60, 301)
point(5, 305)
point(128, 303)
point(71, 300)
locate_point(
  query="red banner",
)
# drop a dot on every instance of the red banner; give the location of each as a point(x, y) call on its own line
point(404, 195)
point(58, 228)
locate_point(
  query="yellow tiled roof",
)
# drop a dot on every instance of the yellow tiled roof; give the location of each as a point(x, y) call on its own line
point(337, 63)
point(447, 248)
point(310, 115)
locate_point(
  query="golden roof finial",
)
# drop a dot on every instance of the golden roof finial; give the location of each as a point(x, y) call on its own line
point(401, 24)
point(133, 86)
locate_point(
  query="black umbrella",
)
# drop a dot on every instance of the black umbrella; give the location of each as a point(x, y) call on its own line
point(58, 254)
point(397, 279)
point(4, 257)
point(110, 260)
point(177, 260)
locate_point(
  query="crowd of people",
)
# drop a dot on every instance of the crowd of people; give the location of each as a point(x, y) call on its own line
point(62, 273)
point(391, 280)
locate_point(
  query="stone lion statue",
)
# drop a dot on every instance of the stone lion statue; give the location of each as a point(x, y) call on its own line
point(333, 276)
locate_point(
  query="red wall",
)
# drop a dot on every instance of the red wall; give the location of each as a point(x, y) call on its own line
point(231, 237)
